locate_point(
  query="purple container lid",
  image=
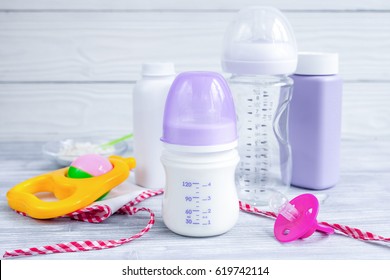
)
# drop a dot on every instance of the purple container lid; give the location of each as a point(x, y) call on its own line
point(199, 111)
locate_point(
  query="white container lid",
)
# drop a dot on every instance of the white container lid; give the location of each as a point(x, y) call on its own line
point(260, 41)
point(158, 69)
point(317, 63)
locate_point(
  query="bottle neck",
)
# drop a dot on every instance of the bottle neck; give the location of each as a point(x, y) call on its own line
point(201, 149)
point(262, 76)
point(263, 79)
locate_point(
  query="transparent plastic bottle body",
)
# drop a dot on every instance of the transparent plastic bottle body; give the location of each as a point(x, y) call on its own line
point(265, 166)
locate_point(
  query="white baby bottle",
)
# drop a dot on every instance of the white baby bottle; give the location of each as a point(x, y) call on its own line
point(260, 52)
point(200, 156)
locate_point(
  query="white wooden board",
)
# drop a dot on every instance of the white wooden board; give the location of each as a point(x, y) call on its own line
point(112, 46)
point(51, 111)
point(190, 5)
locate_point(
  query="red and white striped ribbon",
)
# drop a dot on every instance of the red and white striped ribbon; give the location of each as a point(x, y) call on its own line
point(340, 229)
point(356, 233)
point(97, 214)
point(93, 214)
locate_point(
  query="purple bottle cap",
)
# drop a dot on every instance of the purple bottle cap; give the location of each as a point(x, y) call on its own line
point(199, 111)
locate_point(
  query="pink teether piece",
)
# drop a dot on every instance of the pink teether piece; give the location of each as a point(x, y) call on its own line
point(299, 219)
point(95, 165)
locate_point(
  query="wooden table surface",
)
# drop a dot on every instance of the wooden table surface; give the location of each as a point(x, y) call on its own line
point(361, 199)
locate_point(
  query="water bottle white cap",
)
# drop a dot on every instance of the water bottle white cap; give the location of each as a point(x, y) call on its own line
point(317, 63)
point(158, 69)
point(260, 41)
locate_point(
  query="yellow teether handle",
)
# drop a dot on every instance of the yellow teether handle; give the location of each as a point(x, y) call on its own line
point(73, 194)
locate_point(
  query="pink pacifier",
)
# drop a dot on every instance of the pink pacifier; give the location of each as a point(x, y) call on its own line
point(298, 219)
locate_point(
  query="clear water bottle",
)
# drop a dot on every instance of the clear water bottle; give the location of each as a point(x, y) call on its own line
point(260, 52)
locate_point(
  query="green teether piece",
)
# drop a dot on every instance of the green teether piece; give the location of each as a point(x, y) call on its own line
point(77, 173)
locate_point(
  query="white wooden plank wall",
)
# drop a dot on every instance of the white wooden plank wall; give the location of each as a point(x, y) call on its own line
point(68, 67)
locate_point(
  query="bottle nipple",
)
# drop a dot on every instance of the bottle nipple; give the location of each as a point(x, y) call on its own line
point(297, 219)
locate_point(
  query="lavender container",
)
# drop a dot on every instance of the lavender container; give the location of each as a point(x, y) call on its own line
point(315, 121)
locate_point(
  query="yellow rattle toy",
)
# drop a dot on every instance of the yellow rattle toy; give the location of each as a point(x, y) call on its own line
point(89, 178)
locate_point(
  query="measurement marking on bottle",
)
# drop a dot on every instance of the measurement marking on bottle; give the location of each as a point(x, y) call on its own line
point(196, 213)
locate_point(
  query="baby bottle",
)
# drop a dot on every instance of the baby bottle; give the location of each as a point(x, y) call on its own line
point(260, 52)
point(199, 156)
